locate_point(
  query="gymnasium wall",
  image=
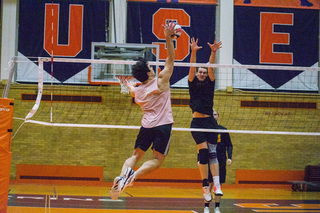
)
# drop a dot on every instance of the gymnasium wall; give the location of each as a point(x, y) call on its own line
point(36, 144)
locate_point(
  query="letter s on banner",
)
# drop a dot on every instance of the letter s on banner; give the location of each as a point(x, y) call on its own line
point(51, 30)
point(182, 43)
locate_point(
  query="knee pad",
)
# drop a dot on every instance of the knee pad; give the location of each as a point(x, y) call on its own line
point(213, 158)
point(203, 156)
point(212, 147)
point(212, 154)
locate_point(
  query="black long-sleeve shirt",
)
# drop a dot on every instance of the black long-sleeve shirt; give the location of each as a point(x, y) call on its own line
point(224, 146)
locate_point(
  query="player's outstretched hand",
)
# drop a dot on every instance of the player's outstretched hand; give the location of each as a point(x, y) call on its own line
point(194, 44)
point(169, 29)
point(215, 46)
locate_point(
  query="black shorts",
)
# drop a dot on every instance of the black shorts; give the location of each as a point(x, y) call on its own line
point(204, 123)
point(159, 137)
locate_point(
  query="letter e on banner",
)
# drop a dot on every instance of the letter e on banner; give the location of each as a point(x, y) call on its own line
point(268, 38)
point(161, 17)
point(51, 31)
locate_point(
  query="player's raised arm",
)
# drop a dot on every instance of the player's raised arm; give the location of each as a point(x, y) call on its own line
point(165, 74)
point(214, 47)
point(193, 58)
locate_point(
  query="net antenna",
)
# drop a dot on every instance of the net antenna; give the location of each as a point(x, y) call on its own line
point(40, 91)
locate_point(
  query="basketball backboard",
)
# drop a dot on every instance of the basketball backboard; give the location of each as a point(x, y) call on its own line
point(101, 73)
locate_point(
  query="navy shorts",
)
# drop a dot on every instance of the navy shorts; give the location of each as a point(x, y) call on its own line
point(159, 137)
point(204, 123)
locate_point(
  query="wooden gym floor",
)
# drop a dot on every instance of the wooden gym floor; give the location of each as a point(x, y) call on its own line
point(32, 198)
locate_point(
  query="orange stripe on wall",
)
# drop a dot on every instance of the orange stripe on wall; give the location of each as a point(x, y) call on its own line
point(279, 4)
point(249, 175)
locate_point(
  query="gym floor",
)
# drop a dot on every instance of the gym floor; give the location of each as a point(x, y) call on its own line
point(32, 198)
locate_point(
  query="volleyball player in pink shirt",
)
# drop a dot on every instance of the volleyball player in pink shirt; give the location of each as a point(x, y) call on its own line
point(153, 96)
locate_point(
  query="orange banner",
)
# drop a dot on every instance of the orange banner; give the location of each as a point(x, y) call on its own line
point(181, 1)
point(6, 121)
point(302, 4)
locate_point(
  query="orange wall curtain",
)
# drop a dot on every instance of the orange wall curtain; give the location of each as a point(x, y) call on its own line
point(6, 120)
point(302, 4)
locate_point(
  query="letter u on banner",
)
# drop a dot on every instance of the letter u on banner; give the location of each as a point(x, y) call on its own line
point(51, 30)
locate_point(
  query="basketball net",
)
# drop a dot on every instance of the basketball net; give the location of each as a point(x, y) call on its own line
point(122, 78)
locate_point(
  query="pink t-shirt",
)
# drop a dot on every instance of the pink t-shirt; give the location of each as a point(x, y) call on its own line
point(156, 105)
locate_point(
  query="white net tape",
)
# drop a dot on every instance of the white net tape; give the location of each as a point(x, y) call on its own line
point(182, 64)
point(174, 129)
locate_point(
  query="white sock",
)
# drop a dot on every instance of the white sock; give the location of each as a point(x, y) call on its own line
point(216, 181)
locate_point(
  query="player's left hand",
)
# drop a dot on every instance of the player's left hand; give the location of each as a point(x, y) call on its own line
point(229, 161)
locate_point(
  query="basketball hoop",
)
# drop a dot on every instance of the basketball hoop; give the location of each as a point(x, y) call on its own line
point(122, 78)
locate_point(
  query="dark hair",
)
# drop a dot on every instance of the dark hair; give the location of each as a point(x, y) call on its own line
point(140, 70)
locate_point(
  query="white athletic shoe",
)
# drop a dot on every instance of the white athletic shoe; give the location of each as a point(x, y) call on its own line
point(206, 193)
point(127, 179)
point(115, 190)
point(217, 191)
point(217, 210)
point(206, 210)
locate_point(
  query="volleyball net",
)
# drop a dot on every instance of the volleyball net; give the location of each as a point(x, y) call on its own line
point(93, 98)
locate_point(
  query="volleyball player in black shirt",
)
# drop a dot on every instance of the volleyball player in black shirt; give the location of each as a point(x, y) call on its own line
point(201, 89)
